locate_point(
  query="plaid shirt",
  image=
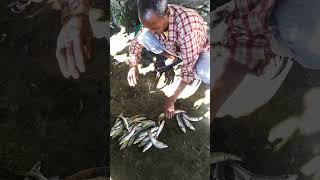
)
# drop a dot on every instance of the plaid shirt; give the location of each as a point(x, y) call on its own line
point(188, 31)
point(248, 34)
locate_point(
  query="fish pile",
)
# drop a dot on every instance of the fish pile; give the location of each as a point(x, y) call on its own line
point(184, 120)
point(137, 129)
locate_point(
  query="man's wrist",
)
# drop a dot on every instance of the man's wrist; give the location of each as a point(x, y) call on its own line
point(178, 91)
point(71, 8)
point(131, 65)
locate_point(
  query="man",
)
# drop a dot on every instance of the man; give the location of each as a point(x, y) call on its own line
point(165, 27)
point(252, 42)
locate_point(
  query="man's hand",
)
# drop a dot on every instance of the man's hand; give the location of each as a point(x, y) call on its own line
point(133, 76)
point(169, 107)
point(169, 103)
point(74, 46)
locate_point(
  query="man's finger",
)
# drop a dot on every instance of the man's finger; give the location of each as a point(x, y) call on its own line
point(61, 57)
point(134, 79)
point(167, 115)
point(88, 47)
point(130, 81)
point(71, 61)
point(79, 54)
point(172, 114)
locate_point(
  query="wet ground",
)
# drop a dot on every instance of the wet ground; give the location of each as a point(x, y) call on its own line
point(44, 117)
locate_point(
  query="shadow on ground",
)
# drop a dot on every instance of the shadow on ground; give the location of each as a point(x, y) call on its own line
point(281, 137)
point(44, 117)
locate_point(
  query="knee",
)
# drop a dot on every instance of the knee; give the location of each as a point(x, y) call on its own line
point(203, 69)
point(151, 43)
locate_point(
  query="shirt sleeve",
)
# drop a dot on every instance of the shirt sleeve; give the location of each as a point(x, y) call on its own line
point(190, 50)
point(135, 50)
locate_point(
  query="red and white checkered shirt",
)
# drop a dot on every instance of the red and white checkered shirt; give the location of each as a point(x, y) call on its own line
point(249, 33)
point(188, 31)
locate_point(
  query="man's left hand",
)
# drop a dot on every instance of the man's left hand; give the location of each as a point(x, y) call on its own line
point(169, 107)
point(74, 46)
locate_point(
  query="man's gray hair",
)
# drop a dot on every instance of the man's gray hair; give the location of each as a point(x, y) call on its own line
point(158, 6)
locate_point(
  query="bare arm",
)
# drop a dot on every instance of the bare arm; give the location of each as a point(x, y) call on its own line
point(226, 81)
point(75, 38)
point(170, 101)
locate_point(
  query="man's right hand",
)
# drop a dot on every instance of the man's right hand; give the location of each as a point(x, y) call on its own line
point(133, 76)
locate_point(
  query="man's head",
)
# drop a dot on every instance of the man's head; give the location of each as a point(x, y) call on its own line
point(154, 15)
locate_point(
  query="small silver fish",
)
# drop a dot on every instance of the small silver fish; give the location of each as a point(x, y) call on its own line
point(149, 122)
point(135, 116)
point(147, 126)
point(180, 123)
point(146, 139)
point(125, 123)
point(125, 133)
point(192, 118)
point(138, 139)
point(156, 143)
point(137, 133)
point(131, 140)
point(188, 123)
point(116, 132)
point(116, 124)
point(161, 116)
point(137, 119)
point(126, 138)
point(160, 129)
point(145, 133)
point(179, 111)
point(143, 143)
point(147, 146)
point(124, 145)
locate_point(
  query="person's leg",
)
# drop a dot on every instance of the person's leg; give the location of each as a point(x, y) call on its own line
point(202, 68)
point(298, 25)
point(151, 43)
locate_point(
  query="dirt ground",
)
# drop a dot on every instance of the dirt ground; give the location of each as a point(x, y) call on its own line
point(248, 136)
point(44, 117)
point(281, 136)
point(187, 156)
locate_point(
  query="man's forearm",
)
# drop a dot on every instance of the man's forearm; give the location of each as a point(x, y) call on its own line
point(180, 88)
point(133, 60)
point(226, 84)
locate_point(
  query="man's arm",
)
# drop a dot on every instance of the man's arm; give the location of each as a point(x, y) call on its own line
point(135, 50)
point(226, 83)
point(170, 101)
point(75, 38)
point(190, 54)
